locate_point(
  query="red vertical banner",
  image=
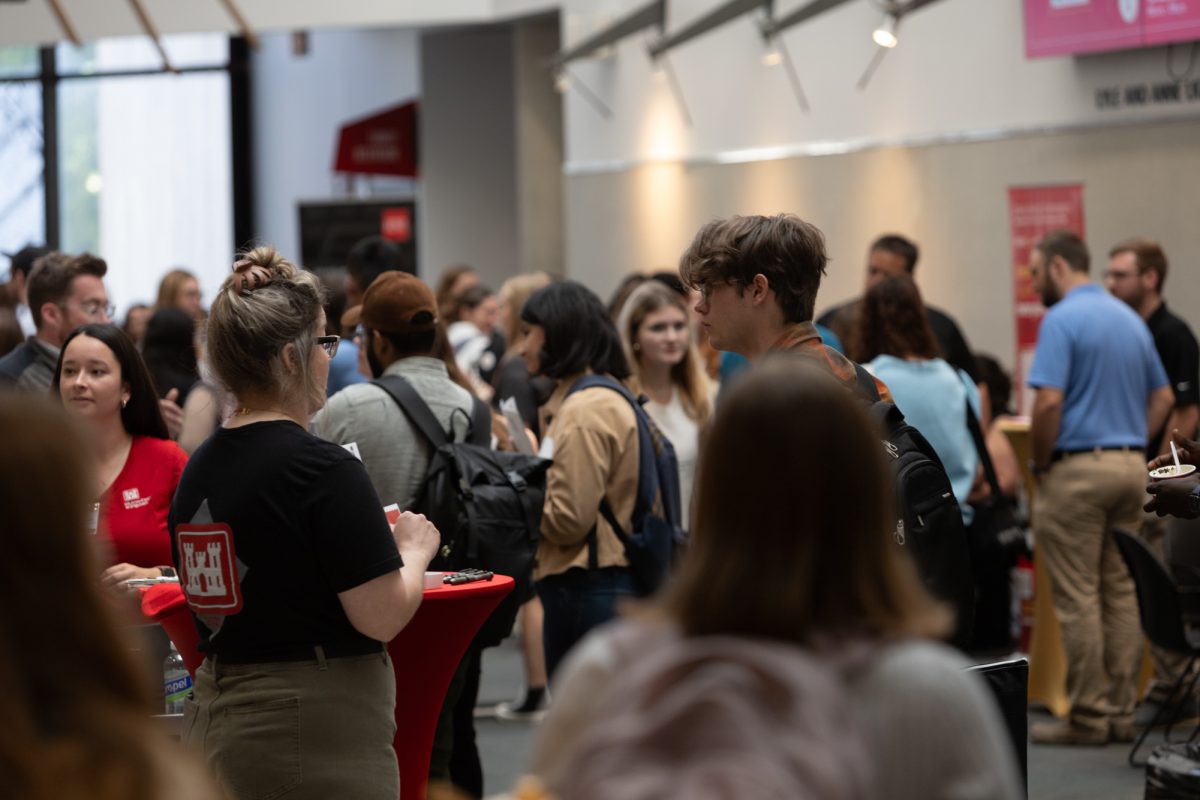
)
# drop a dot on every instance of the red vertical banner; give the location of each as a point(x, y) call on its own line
point(1034, 211)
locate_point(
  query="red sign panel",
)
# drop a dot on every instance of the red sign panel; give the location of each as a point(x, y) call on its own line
point(208, 568)
point(395, 224)
point(1062, 27)
point(1033, 212)
point(381, 144)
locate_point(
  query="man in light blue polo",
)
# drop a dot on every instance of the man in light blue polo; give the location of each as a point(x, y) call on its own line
point(1099, 387)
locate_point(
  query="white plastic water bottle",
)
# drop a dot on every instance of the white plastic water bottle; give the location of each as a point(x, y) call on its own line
point(177, 682)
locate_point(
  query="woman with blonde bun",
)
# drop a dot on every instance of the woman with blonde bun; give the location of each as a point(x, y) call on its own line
point(288, 562)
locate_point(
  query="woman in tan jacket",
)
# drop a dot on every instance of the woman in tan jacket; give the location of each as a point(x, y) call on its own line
point(592, 436)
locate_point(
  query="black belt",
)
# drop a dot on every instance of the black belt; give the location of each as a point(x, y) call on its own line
point(303, 653)
point(1058, 455)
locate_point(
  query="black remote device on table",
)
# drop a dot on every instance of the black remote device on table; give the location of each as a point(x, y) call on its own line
point(467, 576)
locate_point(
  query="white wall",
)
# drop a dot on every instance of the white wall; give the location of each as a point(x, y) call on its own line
point(299, 104)
point(959, 68)
point(468, 211)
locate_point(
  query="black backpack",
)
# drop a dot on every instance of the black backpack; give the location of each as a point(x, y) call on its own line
point(657, 531)
point(487, 504)
point(930, 526)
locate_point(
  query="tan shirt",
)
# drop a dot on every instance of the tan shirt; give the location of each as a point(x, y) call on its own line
point(595, 440)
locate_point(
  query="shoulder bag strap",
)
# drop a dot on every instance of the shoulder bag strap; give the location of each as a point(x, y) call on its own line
point(985, 457)
point(416, 409)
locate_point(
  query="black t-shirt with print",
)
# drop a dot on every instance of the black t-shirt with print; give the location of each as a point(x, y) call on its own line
point(304, 523)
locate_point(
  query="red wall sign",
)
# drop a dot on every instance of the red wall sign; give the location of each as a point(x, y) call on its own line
point(381, 144)
point(1033, 212)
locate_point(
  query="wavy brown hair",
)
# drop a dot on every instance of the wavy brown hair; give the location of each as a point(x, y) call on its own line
point(892, 321)
point(792, 533)
point(75, 705)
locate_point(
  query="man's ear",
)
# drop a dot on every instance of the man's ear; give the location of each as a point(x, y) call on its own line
point(1059, 269)
point(759, 287)
point(52, 315)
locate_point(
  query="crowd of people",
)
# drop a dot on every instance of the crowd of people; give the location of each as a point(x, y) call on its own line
point(793, 650)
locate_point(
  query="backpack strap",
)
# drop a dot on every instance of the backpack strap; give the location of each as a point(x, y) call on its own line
point(866, 383)
point(647, 468)
point(416, 409)
point(481, 424)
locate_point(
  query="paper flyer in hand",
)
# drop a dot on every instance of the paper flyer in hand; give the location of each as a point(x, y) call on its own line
point(516, 426)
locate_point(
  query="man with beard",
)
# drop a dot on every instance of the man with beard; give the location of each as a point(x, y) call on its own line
point(1100, 387)
point(399, 317)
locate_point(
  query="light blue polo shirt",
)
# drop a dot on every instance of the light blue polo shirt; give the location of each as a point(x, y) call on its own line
point(1099, 352)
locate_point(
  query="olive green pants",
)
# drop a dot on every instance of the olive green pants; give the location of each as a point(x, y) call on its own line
point(307, 729)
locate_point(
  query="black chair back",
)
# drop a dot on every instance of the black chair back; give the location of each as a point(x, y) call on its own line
point(1158, 599)
point(1009, 683)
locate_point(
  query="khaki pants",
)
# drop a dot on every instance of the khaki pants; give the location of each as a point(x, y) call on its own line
point(307, 730)
point(1079, 501)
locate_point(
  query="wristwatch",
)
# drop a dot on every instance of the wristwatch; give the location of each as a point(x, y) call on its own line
point(167, 572)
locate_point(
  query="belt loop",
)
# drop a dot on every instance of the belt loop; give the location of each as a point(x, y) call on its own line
point(383, 653)
point(322, 664)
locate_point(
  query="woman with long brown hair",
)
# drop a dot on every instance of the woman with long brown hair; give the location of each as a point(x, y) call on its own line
point(788, 658)
point(892, 338)
point(656, 332)
point(102, 381)
point(76, 707)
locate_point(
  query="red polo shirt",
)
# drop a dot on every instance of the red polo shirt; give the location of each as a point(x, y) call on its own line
point(133, 512)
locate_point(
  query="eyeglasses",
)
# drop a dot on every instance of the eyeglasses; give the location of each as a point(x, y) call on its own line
point(94, 308)
point(329, 344)
point(707, 288)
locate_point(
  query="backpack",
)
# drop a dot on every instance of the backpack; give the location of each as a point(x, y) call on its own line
point(486, 504)
point(657, 530)
point(930, 526)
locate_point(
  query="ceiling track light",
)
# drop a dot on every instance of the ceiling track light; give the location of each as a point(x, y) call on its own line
point(884, 34)
point(771, 57)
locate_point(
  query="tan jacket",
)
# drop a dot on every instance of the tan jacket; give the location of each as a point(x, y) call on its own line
point(595, 456)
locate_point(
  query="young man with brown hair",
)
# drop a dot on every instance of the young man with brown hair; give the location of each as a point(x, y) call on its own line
point(758, 279)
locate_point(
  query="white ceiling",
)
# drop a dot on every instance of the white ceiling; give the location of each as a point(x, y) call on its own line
point(31, 22)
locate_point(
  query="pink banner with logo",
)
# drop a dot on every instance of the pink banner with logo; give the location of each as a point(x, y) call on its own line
point(1034, 211)
point(1061, 27)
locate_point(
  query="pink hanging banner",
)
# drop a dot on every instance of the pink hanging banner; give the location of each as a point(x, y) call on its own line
point(1063, 27)
point(1034, 211)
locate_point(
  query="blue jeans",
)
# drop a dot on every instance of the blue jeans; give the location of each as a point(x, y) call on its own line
point(577, 601)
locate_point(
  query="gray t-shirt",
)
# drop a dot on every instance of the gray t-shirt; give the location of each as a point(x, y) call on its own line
point(394, 452)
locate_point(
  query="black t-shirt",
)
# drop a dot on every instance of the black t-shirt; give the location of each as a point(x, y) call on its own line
point(1176, 346)
point(841, 320)
point(268, 525)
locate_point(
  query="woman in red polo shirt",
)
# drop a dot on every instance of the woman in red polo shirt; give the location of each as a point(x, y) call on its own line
point(103, 381)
